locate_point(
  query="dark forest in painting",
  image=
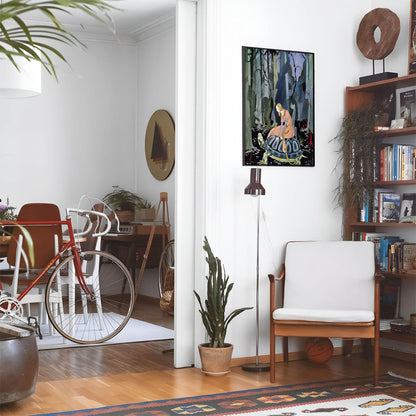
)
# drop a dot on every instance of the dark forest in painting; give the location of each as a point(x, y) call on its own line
point(278, 107)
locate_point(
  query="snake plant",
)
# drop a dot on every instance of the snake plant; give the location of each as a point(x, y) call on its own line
point(218, 289)
point(34, 41)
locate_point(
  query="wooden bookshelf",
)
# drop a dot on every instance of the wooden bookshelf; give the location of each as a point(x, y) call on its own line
point(405, 275)
point(396, 336)
point(360, 97)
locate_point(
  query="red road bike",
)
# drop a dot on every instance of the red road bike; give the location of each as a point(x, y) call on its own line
point(89, 295)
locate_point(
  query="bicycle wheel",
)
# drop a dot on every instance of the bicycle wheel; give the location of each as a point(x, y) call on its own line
point(167, 261)
point(84, 319)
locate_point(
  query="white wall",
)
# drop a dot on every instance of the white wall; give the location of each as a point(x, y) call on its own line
point(78, 136)
point(299, 200)
point(156, 91)
point(97, 114)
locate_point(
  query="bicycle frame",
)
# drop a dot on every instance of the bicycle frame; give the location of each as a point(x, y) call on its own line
point(70, 245)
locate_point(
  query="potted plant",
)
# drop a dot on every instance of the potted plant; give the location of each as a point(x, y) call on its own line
point(216, 354)
point(145, 211)
point(36, 42)
point(123, 202)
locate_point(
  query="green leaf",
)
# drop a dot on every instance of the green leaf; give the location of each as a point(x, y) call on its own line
point(17, 40)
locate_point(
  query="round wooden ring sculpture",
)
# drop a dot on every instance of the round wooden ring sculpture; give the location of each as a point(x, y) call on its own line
point(389, 25)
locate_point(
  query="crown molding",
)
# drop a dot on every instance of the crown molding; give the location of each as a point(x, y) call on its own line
point(158, 26)
point(109, 33)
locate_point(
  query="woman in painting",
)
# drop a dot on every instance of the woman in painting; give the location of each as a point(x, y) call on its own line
point(281, 143)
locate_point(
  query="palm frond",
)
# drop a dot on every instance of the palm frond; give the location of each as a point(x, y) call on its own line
point(19, 38)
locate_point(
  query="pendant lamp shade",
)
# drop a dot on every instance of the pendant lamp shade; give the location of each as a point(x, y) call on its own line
point(22, 83)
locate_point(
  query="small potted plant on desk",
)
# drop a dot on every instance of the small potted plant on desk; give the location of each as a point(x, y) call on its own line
point(123, 202)
point(216, 355)
point(145, 211)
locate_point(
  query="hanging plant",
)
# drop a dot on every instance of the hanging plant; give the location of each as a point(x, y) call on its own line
point(358, 155)
point(36, 42)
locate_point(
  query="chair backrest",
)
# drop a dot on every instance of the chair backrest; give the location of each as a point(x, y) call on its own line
point(91, 241)
point(43, 236)
point(329, 275)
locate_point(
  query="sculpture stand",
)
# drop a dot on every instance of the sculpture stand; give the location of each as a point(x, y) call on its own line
point(381, 76)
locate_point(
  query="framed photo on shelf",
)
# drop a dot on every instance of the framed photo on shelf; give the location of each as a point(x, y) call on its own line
point(389, 207)
point(406, 105)
point(278, 107)
point(408, 208)
point(412, 38)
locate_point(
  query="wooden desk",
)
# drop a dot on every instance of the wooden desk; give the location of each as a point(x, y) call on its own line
point(130, 248)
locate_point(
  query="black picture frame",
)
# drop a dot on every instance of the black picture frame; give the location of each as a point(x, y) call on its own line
point(278, 107)
point(412, 38)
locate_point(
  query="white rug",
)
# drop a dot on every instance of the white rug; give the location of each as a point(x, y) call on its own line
point(134, 331)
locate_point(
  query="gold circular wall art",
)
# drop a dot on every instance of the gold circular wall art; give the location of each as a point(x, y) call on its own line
point(160, 144)
point(389, 25)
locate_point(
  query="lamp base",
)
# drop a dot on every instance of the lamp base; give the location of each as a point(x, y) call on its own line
point(254, 367)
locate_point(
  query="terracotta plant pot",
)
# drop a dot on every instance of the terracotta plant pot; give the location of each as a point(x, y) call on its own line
point(145, 214)
point(215, 361)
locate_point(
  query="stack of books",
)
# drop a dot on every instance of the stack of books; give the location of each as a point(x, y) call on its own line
point(397, 162)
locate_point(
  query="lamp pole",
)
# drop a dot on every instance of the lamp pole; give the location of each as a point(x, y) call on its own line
point(256, 189)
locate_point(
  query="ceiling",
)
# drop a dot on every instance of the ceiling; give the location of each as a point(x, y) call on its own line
point(129, 18)
point(138, 14)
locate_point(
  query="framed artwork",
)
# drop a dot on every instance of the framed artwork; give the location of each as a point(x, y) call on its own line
point(278, 107)
point(160, 144)
point(406, 106)
point(412, 38)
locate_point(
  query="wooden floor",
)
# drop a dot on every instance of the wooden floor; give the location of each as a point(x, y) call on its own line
point(88, 377)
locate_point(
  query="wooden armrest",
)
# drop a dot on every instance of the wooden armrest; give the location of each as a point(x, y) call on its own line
point(280, 275)
point(273, 278)
point(378, 275)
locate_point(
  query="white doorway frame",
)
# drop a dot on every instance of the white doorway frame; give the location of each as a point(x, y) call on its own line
point(185, 181)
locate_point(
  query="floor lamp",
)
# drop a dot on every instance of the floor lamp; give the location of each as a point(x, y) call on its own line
point(256, 189)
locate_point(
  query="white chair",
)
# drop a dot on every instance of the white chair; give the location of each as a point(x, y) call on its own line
point(330, 289)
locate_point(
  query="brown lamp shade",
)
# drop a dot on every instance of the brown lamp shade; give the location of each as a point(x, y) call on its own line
point(255, 187)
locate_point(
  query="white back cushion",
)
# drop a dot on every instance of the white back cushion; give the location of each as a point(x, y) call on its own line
point(335, 275)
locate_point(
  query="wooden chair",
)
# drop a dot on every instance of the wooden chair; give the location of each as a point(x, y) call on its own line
point(330, 289)
point(46, 241)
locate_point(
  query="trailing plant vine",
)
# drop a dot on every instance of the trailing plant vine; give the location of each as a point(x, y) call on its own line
point(358, 155)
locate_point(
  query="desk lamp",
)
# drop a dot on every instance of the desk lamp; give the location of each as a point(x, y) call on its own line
point(255, 188)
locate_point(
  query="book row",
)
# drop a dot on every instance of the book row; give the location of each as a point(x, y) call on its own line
point(392, 253)
point(389, 206)
point(397, 162)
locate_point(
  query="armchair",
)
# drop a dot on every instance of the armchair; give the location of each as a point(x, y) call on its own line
point(330, 289)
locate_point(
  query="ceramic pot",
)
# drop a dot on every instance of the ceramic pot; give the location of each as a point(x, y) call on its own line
point(145, 214)
point(19, 364)
point(215, 361)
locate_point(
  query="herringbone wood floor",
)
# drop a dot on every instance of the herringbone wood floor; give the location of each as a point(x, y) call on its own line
point(79, 378)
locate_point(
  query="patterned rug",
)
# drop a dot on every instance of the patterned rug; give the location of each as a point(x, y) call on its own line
point(349, 397)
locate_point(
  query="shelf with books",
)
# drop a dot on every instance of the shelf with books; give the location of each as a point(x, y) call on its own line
point(405, 275)
point(394, 175)
point(401, 182)
point(358, 224)
point(408, 338)
point(405, 131)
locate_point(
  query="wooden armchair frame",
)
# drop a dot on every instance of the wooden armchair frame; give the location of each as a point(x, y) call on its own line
point(298, 328)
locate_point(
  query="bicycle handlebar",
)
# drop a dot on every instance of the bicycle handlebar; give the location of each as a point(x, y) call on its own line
point(87, 214)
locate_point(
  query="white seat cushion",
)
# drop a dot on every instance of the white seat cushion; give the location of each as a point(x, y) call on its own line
point(323, 315)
